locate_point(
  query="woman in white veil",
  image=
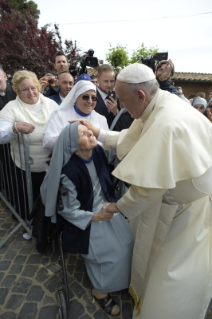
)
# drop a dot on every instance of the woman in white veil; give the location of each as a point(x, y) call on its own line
point(78, 104)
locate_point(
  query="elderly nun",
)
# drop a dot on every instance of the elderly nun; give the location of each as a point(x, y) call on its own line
point(79, 169)
point(78, 104)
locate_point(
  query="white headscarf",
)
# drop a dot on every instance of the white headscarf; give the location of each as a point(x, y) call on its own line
point(79, 88)
point(199, 100)
point(69, 101)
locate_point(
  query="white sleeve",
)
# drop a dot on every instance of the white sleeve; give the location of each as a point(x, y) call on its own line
point(51, 132)
point(6, 131)
point(108, 139)
point(138, 199)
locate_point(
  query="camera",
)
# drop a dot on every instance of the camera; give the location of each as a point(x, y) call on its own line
point(73, 70)
point(150, 60)
point(90, 60)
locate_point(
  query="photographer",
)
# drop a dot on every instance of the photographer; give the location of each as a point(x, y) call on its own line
point(49, 82)
point(66, 83)
point(164, 71)
point(87, 59)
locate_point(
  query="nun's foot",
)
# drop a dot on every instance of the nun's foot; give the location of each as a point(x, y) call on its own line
point(106, 302)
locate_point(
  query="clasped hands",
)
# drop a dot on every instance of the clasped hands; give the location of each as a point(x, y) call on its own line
point(106, 212)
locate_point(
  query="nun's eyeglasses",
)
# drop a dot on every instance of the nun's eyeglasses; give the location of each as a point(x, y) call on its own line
point(87, 97)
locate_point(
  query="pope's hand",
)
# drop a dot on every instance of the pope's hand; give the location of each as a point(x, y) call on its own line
point(111, 208)
point(92, 128)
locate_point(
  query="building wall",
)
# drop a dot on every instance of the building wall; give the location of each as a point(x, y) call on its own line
point(190, 87)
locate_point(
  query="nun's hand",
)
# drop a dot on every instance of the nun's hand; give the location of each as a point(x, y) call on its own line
point(102, 215)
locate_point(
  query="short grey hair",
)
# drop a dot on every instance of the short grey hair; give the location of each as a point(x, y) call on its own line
point(149, 87)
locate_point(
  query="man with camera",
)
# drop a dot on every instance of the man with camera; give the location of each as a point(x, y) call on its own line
point(106, 101)
point(66, 83)
point(49, 83)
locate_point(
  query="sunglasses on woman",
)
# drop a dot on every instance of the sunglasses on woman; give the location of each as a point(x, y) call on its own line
point(86, 97)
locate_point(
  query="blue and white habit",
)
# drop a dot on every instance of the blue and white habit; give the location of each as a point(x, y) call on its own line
point(85, 187)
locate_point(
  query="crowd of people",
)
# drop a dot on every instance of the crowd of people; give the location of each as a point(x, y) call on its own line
point(130, 158)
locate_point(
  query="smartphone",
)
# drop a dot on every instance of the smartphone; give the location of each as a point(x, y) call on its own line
point(112, 94)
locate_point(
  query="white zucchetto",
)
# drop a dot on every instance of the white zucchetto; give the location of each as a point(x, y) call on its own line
point(136, 73)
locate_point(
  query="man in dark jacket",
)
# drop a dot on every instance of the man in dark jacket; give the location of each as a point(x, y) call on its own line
point(6, 92)
point(66, 83)
point(106, 106)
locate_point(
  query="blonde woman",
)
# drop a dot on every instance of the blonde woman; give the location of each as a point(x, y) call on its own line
point(28, 114)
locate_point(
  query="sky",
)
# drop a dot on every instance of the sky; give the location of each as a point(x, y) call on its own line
point(183, 27)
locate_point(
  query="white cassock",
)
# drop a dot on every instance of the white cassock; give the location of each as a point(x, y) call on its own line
point(167, 158)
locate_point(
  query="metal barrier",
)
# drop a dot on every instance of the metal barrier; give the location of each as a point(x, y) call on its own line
point(16, 185)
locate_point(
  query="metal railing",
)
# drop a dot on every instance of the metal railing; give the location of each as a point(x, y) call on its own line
point(16, 185)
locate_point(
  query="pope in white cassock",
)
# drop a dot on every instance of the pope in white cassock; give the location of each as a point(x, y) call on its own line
point(167, 158)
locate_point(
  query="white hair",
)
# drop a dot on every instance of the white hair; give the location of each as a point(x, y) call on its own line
point(149, 87)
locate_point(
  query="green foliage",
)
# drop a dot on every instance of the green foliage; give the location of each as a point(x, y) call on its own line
point(142, 51)
point(21, 6)
point(118, 56)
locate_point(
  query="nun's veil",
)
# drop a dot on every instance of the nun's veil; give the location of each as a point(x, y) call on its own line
point(78, 89)
point(65, 147)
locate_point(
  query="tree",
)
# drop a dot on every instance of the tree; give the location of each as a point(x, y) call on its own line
point(24, 46)
point(118, 56)
point(142, 51)
point(22, 5)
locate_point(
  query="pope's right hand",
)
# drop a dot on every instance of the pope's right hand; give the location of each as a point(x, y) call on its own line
point(88, 124)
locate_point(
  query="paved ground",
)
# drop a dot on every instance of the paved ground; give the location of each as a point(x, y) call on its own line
point(29, 280)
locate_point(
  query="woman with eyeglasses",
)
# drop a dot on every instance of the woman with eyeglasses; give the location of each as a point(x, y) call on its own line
point(27, 114)
point(78, 104)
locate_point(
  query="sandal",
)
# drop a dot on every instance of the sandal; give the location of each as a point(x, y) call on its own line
point(104, 301)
